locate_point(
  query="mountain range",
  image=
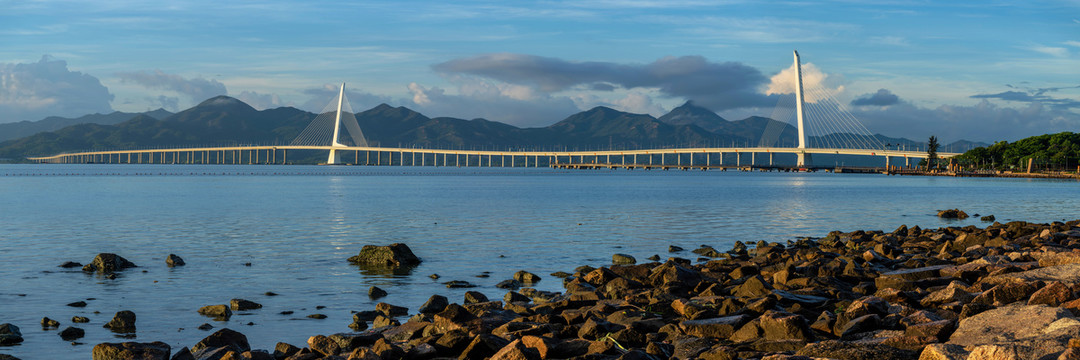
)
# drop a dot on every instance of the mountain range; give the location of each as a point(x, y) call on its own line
point(225, 120)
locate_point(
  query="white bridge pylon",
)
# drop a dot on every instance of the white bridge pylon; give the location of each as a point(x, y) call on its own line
point(325, 130)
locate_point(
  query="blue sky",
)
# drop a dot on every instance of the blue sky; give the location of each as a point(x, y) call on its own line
point(980, 70)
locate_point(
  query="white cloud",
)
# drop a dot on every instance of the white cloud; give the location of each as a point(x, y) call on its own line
point(1051, 50)
point(812, 79)
point(32, 91)
point(1073, 43)
point(492, 104)
point(198, 89)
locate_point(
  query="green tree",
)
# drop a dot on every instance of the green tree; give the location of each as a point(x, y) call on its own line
point(931, 153)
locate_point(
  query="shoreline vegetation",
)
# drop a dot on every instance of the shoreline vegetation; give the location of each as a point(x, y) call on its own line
point(1004, 291)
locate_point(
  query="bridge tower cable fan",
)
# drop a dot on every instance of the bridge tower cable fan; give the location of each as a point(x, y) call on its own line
point(326, 130)
point(804, 159)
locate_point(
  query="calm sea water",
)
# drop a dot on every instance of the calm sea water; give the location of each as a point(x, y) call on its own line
point(296, 226)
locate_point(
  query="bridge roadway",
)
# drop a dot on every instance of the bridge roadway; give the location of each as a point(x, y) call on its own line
point(269, 154)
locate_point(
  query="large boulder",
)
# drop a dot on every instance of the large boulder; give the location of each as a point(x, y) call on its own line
point(107, 263)
point(132, 351)
point(833, 349)
point(393, 255)
point(224, 338)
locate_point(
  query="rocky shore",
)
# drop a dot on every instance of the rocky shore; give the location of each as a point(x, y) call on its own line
point(1007, 291)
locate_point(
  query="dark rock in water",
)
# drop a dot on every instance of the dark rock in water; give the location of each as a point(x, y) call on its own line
point(218, 312)
point(475, 297)
point(515, 297)
point(509, 284)
point(47, 323)
point(227, 338)
point(952, 214)
point(286, 312)
point(375, 292)
point(80, 319)
point(988, 218)
point(655, 257)
point(434, 276)
point(623, 259)
point(241, 305)
point(183, 354)
point(560, 274)
point(107, 263)
point(673, 248)
point(77, 304)
point(205, 327)
point(172, 260)
point(367, 315)
point(322, 345)
point(392, 255)
point(709, 251)
point(270, 293)
point(132, 350)
point(122, 322)
point(434, 304)
point(70, 265)
point(71, 333)
point(317, 316)
point(10, 334)
point(458, 284)
point(384, 321)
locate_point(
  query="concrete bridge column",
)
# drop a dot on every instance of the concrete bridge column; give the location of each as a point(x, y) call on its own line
point(753, 159)
point(770, 159)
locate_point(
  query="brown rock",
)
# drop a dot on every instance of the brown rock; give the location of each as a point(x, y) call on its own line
point(323, 345)
point(542, 345)
point(940, 329)
point(1055, 293)
point(218, 312)
point(241, 305)
point(721, 327)
point(943, 352)
point(122, 322)
point(1006, 293)
point(483, 346)
point(1013, 322)
point(526, 277)
point(227, 338)
point(393, 255)
point(107, 263)
point(516, 350)
point(391, 310)
point(783, 326)
point(131, 351)
point(855, 351)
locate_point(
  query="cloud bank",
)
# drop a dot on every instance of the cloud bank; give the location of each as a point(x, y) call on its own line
point(32, 91)
point(197, 89)
point(882, 97)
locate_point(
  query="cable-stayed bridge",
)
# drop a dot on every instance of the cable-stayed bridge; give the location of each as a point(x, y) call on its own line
point(824, 127)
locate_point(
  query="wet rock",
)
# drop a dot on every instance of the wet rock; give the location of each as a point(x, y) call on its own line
point(78, 304)
point(205, 327)
point(623, 259)
point(434, 304)
point(952, 214)
point(107, 263)
point(475, 297)
point(172, 261)
point(526, 277)
point(47, 323)
point(70, 265)
point(458, 284)
point(122, 322)
point(393, 255)
point(241, 305)
point(512, 297)
point(988, 218)
point(317, 316)
point(673, 248)
point(131, 350)
point(71, 333)
point(80, 319)
point(10, 334)
point(514, 284)
point(224, 338)
point(707, 251)
point(855, 351)
point(376, 293)
point(218, 312)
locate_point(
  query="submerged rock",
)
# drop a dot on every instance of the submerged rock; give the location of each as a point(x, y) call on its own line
point(108, 263)
point(392, 255)
point(952, 214)
point(218, 312)
point(71, 333)
point(241, 305)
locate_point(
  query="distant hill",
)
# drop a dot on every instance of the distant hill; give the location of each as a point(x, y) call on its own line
point(20, 129)
point(224, 120)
